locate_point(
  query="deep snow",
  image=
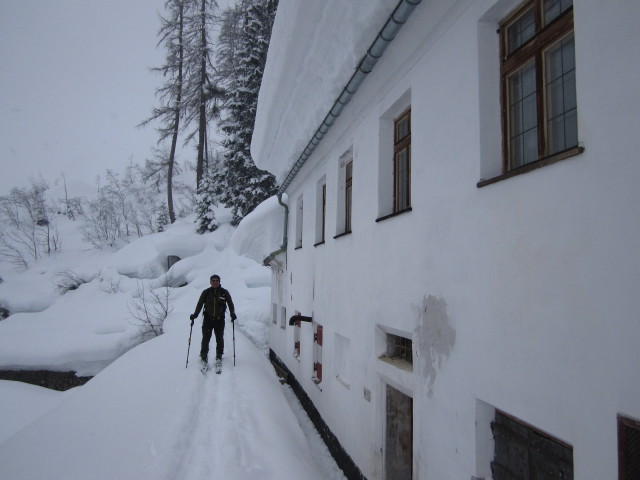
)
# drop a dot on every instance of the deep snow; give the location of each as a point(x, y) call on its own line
point(146, 416)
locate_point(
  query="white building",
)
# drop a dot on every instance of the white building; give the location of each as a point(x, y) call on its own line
point(464, 236)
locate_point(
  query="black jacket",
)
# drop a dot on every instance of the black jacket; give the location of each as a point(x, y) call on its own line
point(215, 301)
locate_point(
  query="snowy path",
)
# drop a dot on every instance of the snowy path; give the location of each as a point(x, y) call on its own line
point(147, 417)
point(228, 437)
point(226, 449)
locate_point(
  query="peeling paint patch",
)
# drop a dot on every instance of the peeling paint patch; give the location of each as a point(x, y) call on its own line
point(434, 337)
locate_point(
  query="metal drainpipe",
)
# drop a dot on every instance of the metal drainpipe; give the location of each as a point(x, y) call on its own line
point(398, 17)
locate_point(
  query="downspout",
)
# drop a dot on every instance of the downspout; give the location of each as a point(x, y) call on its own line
point(394, 23)
point(283, 248)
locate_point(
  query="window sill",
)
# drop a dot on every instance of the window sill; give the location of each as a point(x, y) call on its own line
point(394, 214)
point(398, 363)
point(319, 243)
point(342, 234)
point(298, 248)
point(543, 162)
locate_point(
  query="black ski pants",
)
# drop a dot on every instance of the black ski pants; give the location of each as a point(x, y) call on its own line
point(212, 325)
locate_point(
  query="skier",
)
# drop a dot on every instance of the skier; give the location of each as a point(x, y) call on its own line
point(215, 300)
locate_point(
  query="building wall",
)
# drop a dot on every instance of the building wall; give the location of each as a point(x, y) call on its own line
point(520, 296)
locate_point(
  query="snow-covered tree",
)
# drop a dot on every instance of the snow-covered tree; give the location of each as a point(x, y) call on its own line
point(244, 42)
point(199, 91)
point(206, 201)
point(163, 218)
point(27, 231)
point(170, 110)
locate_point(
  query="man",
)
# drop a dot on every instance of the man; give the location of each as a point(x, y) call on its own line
point(215, 300)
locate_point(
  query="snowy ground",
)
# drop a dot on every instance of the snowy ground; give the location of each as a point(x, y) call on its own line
point(144, 415)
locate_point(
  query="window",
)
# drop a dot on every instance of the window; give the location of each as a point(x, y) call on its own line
point(347, 196)
point(296, 338)
point(397, 350)
point(299, 212)
point(523, 452)
point(394, 157)
point(321, 210)
point(628, 448)
point(274, 313)
point(399, 347)
point(538, 73)
point(283, 317)
point(402, 163)
point(344, 197)
point(317, 354)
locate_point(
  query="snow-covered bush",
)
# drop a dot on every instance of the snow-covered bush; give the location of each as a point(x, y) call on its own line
point(67, 280)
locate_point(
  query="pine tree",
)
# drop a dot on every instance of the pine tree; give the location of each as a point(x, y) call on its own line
point(206, 201)
point(163, 218)
point(239, 183)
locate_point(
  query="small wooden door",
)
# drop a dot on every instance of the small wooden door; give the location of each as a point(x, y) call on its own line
point(399, 436)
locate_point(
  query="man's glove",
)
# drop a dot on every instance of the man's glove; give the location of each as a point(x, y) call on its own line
point(233, 317)
point(192, 317)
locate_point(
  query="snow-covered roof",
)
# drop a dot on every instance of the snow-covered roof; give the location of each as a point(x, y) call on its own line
point(315, 48)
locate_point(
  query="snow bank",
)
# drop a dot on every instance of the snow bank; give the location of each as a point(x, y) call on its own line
point(305, 73)
point(86, 329)
point(21, 403)
point(147, 417)
point(260, 232)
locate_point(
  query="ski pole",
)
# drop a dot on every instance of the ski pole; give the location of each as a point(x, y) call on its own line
point(233, 324)
point(189, 347)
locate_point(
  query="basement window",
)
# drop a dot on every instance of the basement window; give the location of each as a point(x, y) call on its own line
point(628, 448)
point(524, 452)
point(400, 348)
point(399, 351)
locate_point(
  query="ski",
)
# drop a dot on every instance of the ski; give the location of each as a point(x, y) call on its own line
point(218, 366)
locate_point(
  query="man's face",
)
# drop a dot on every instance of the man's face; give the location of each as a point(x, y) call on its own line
point(214, 282)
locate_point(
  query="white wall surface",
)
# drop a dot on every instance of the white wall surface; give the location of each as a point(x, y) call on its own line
point(521, 295)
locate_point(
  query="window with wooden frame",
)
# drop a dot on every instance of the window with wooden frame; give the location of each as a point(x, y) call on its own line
point(321, 211)
point(299, 220)
point(344, 194)
point(317, 354)
point(347, 195)
point(539, 107)
point(324, 209)
point(402, 162)
point(297, 326)
point(628, 448)
point(524, 452)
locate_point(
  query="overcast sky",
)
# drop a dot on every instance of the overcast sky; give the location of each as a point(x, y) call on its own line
point(74, 83)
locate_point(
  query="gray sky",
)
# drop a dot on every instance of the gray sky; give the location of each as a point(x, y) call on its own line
point(74, 83)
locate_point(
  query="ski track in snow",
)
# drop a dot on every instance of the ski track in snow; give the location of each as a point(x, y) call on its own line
point(222, 417)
